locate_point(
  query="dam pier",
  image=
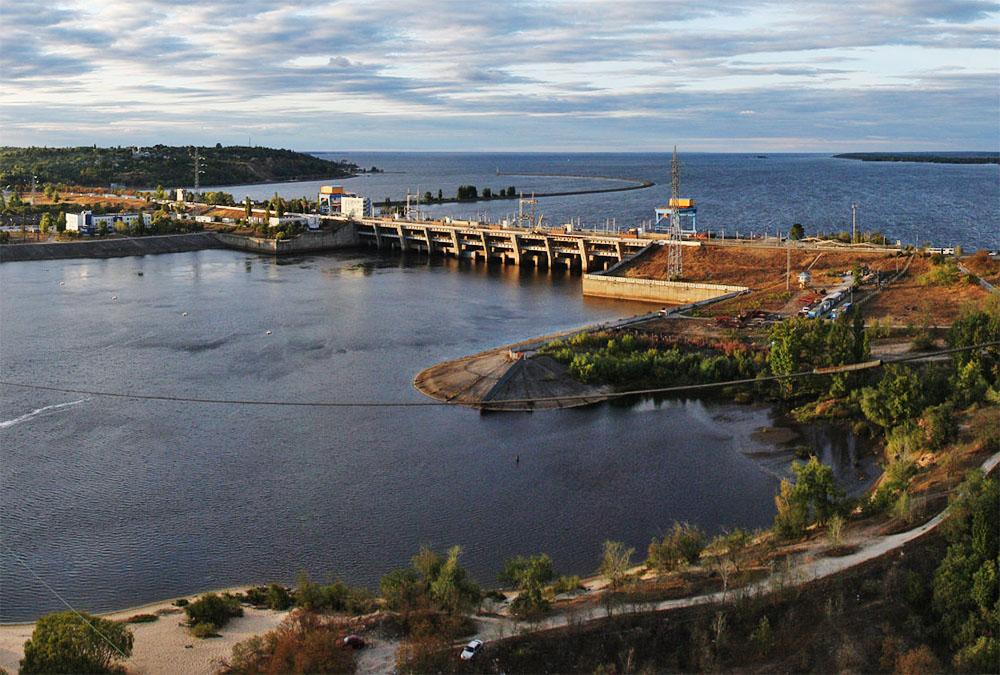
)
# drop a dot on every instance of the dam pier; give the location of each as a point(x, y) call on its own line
point(541, 248)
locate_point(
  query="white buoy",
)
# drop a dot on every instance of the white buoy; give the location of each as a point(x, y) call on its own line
point(114, 297)
point(268, 332)
point(62, 283)
point(184, 313)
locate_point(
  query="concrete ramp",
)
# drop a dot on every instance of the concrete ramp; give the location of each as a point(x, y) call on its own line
point(490, 379)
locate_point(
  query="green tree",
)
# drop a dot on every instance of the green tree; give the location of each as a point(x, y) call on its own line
point(65, 642)
point(683, 544)
point(61, 222)
point(966, 594)
point(452, 589)
point(616, 560)
point(45, 224)
point(159, 193)
point(813, 497)
point(440, 195)
point(401, 589)
point(524, 572)
point(796, 231)
point(898, 397)
point(247, 209)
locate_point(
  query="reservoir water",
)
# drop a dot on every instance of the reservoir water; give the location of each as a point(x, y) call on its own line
point(945, 204)
point(116, 502)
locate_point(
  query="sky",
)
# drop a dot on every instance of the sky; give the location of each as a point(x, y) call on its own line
point(515, 75)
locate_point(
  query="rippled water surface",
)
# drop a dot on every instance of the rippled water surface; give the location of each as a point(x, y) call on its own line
point(115, 502)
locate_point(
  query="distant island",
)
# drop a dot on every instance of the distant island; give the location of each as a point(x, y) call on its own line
point(147, 167)
point(933, 157)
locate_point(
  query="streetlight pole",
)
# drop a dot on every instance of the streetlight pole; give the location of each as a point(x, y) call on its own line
point(854, 223)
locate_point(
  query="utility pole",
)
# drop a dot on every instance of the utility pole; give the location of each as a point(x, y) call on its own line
point(788, 265)
point(854, 223)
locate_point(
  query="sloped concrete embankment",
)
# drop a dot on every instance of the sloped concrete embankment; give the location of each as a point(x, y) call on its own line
point(110, 248)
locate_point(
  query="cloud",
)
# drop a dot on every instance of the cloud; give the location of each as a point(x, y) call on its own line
point(186, 70)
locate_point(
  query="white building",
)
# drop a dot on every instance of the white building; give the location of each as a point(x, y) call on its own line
point(275, 221)
point(86, 222)
point(354, 206)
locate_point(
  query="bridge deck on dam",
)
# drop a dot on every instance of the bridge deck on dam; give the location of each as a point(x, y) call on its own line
point(513, 245)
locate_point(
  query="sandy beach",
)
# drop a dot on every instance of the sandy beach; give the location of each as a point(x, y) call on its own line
point(163, 646)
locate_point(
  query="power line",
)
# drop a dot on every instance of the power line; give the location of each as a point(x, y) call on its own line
point(65, 602)
point(877, 363)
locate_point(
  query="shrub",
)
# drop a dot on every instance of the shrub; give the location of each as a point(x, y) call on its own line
point(181, 602)
point(213, 609)
point(529, 604)
point(567, 584)
point(533, 571)
point(65, 642)
point(278, 597)
point(684, 544)
point(939, 424)
point(301, 644)
point(205, 630)
point(919, 661)
point(141, 618)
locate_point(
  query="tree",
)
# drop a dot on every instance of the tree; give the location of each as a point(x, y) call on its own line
point(897, 397)
point(61, 222)
point(247, 209)
point(65, 642)
point(159, 193)
point(487, 193)
point(45, 224)
point(965, 588)
point(684, 544)
point(726, 552)
point(528, 575)
point(440, 195)
point(615, 563)
point(796, 231)
point(523, 572)
point(813, 497)
point(452, 589)
point(401, 589)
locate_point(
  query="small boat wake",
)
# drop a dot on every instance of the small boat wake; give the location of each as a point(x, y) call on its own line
point(34, 413)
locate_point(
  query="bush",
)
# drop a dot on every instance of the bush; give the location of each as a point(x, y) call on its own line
point(278, 597)
point(567, 584)
point(65, 642)
point(213, 609)
point(301, 644)
point(683, 545)
point(141, 618)
point(181, 602)
point(205, 630)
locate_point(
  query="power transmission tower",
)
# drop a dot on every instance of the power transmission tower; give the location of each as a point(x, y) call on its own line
point(854, 223)
point(675, 263)
point(197, 169)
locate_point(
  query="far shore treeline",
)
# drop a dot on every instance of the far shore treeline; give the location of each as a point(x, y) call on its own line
point(146, 167)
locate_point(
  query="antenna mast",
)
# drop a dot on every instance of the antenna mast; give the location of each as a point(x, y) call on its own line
point(675, 264)
point(197, 169)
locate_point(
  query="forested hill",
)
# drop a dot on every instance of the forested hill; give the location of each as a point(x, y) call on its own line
point(170, 166)
point(934, 157)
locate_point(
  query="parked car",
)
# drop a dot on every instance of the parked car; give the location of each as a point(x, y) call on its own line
point(354, 642)
point(471, 649)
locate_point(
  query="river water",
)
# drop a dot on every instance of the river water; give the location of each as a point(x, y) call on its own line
point(945, 204)
point(117, 502)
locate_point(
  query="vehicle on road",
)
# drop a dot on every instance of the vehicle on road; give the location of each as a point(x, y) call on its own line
point(354, 642)
point(470, 650)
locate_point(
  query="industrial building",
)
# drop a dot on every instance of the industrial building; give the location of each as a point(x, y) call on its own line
point(333, 200)
point(86, 222)
point(354, 206)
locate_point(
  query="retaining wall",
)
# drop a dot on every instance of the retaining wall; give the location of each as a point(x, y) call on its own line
point(653, 290)
point(110, 248)
point(345, 236)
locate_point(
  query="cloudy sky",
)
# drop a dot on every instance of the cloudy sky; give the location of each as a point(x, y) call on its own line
point(560, 75)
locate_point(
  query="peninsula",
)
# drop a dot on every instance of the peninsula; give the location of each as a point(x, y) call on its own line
point(146, 167)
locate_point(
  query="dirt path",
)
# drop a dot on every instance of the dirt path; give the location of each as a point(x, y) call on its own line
point(810, 569)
